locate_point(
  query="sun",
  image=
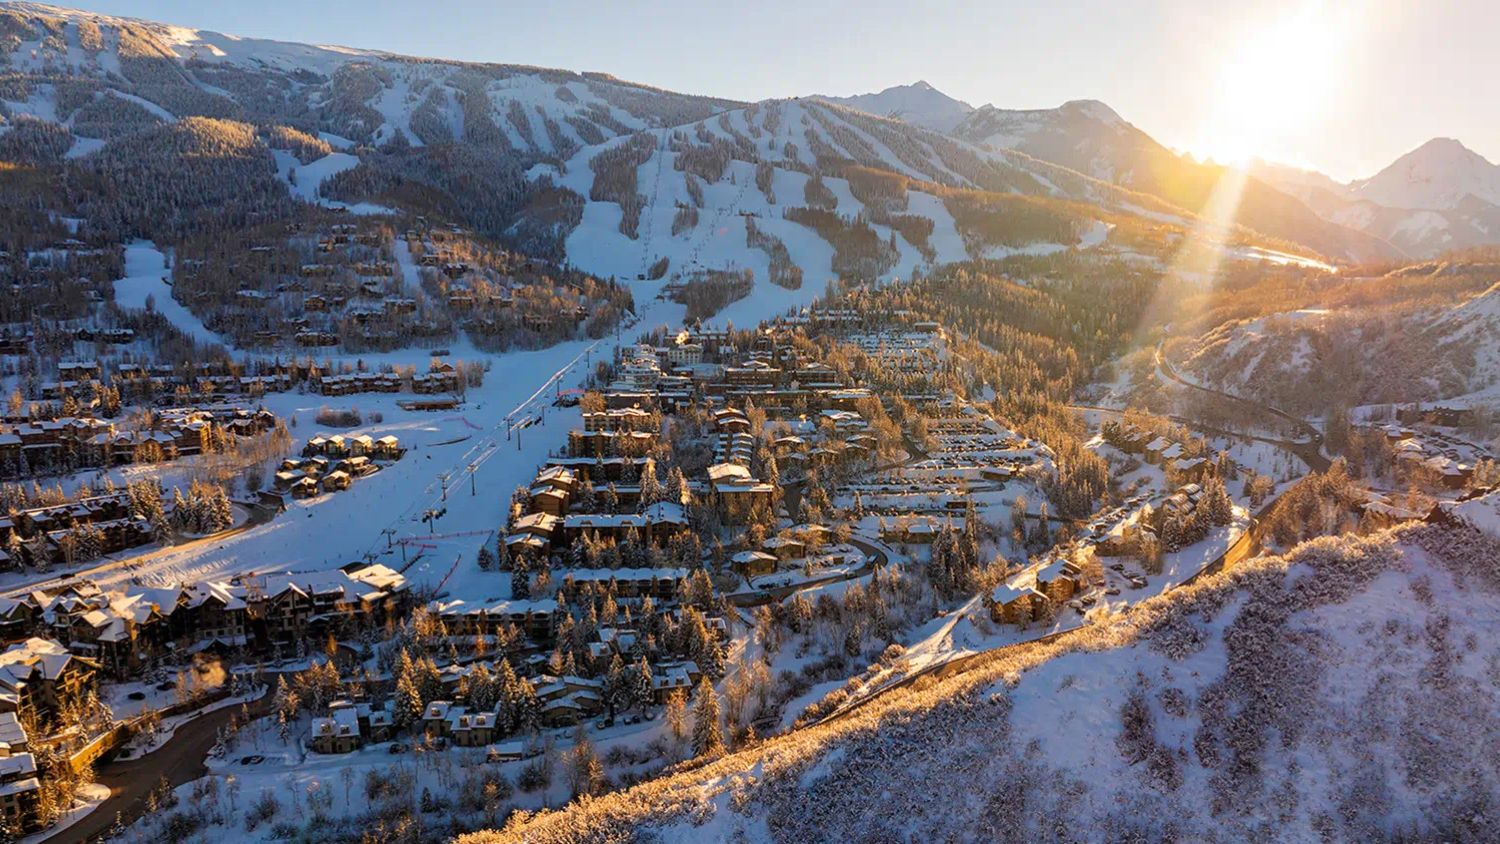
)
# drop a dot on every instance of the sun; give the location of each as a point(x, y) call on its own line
point(1274, 80)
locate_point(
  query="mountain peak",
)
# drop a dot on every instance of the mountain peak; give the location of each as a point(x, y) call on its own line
point(1439, 174)
point(1095, 109)
point(918, 103)
point(1444, 145)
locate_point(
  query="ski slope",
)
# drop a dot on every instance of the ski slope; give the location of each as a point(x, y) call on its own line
point(145, 278)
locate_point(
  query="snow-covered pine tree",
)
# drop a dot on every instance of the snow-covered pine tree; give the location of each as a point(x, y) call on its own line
point(643, 689)
point(408, 702)
point(708, 733)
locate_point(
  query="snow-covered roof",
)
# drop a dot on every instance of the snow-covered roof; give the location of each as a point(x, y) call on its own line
point(728, 472)
point(1004, 593)
point(494, 606)
point(605, 575)
point(1052, 571)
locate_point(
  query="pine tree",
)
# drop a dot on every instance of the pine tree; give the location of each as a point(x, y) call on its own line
point(528, 708)
point(617, 691)
point(651, 488)
point(642, 691)
point(506, 697)
point(285, 705)
point(408, 708)
point(520, 578)
point(676, 716)
point(429, 681)
point(221, 511)
point(677, 486)
point(708, 734)
point(182, 517)
point(482, 692)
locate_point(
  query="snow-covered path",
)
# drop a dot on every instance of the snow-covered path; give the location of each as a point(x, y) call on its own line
point(146, 278)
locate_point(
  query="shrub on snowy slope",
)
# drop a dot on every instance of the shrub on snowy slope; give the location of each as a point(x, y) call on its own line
point(1347, 691)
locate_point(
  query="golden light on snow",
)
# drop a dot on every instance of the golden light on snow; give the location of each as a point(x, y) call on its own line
point(1274, 80)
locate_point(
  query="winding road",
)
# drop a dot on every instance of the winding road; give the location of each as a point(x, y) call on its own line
point(1309, 447)
point(180, 760)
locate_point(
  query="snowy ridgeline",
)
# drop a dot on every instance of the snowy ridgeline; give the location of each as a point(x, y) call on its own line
point(1347, 691)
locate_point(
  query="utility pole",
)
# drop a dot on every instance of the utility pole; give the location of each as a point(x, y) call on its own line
point(389, 532)
point(473, 485)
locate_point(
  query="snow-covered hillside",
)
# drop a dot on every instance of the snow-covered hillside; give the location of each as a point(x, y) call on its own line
point(919, 104)
point(1344, 692)
point(1301, 360)
point(358, 94)
point(1100, 137)
point(692, 194)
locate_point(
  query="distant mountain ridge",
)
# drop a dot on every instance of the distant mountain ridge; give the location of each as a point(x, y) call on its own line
point(430, 121)
point(1439, 197)
point(1090, 137)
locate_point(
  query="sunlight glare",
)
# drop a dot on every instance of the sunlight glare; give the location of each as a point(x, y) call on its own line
point(1274, 81)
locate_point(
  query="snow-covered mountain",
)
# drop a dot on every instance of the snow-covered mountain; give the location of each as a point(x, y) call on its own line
point(834, 191)
point(1437, 198)
point(919, 104)
point(1086, 135)
point(1091, 138)
point(515, 151)
point(360, 95)
point(1439, 174)
point(1343, 692)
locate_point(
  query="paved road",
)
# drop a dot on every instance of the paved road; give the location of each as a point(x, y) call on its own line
point(1309, 447)
point(1247, 546)
point(180, 760)
point(874, 555)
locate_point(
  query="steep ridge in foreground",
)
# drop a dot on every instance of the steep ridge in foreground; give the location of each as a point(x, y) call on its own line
point(1348, 691)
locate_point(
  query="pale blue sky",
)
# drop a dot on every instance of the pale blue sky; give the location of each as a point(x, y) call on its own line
point(1391, 74)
